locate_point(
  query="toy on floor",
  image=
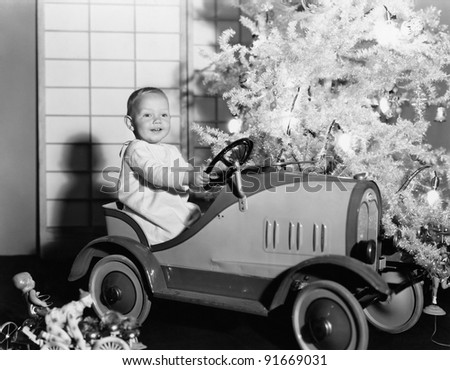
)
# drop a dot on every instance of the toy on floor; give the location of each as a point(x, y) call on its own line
point(37, 304)
point(62, 323)
point(66, 327)
point(112, 331)
point(26, 335)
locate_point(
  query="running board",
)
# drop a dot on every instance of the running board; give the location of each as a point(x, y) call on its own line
point(211, 300)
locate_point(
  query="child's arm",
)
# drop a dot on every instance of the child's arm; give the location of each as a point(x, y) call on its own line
point(178, 176)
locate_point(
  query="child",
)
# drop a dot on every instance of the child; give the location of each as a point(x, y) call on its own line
point(154, 178)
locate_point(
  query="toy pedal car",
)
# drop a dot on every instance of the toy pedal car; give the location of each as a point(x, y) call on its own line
point(270, 237)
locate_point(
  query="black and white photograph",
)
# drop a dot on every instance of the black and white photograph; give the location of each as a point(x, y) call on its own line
point(257, 183)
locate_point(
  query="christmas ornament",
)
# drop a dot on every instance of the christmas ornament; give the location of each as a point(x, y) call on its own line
point(441, 115)
point(412, 27)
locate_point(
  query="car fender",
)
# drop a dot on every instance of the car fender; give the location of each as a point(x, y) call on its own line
point(138, 253)
point(322, 267)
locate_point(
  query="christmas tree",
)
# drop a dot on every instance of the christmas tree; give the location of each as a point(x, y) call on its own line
point(344, 85)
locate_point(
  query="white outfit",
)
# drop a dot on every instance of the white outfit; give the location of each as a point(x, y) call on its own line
point(151, 187)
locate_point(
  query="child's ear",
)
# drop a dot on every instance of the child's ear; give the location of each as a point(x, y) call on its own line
point(128, 122)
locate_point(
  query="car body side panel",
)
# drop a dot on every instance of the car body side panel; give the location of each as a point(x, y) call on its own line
point(281, 227)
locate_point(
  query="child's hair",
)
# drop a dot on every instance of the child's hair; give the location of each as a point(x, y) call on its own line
point(138, 93)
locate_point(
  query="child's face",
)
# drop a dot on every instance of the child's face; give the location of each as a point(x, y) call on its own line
point(151, 118)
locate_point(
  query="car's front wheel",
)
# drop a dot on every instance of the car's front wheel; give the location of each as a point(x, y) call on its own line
point(403, 308)
point(116, 284)
point(326, 316)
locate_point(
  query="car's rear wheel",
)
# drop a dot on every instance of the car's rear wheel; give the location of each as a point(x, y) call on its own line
point(402, 310)
point(326, 316)
point(116, 284)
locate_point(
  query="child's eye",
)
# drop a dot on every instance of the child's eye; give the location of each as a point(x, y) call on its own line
point(165, 115)
point(147, 115)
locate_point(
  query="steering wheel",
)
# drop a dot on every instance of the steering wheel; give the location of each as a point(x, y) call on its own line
point(225, 163)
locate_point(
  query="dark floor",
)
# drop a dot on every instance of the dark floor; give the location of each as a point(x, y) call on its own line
point(180, 326)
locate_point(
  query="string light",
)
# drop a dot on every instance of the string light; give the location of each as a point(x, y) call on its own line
point(344, 142)
point(433, 196)
point(385, 107)
point(235, 125)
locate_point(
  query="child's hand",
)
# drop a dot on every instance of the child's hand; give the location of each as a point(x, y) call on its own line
point(199, 178)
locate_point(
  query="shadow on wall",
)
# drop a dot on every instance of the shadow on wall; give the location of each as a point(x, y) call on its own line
point(75, 214)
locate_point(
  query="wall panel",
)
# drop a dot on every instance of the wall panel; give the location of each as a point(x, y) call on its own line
point(18, 149)
point(93, 54)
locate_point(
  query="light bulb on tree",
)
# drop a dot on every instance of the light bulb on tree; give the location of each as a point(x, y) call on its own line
point(385, 31)
point(235, 125)
point(344, 142)
point(385, 107)
point(433, 196)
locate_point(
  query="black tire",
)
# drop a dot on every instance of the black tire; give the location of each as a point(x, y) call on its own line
point(116, 284)
point(401, 311)
point(326, 316)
